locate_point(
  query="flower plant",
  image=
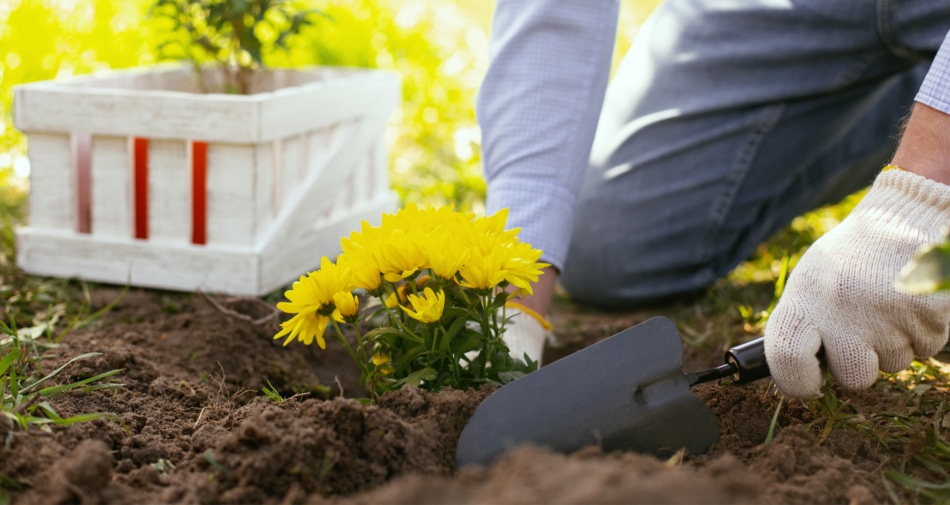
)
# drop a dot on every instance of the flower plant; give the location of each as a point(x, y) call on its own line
point(426, 294)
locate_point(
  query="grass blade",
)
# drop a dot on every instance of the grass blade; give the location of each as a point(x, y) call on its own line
point(54, 373)
point(55, 390)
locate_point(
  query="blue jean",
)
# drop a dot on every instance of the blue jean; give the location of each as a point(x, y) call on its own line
point(726, 120)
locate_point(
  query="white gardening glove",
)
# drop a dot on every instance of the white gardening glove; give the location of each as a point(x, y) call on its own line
point(842, 293)
point(525, 332)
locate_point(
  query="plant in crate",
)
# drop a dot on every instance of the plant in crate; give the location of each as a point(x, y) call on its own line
point(233, 34)
point(440, 277)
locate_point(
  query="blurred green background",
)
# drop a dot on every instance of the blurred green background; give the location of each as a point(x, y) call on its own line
point(439, 48)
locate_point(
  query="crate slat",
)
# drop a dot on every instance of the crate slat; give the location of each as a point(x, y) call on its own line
point(111, 187)
point(169, 192)
point(140, 263)
point(231, 192)
point(53, 184)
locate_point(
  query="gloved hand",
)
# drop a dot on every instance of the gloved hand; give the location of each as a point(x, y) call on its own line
point(842, 293)
point(525, 332)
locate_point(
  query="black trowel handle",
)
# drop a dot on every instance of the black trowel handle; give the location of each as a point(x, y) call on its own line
point(748, 361)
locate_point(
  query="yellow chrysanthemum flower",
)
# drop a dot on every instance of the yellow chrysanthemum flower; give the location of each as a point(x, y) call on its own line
point(401, 256)
point(427, 308)
point(306, 327)
point(521, 267)
point(364, 270)
point(483, 271)
point(310, 299)
point(445, 253)
point(347, 307)
point(380, 359)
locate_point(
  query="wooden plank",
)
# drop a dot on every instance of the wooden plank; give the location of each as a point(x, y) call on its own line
point(277, 167)
point(291, 164)
point(289, 111)
point(265, 208)
point(281, 265)
point(111, 187)
point(147, 264)
point(150, 114)
point(318, 198)
point(231, 193)
point(379, 169)
point(169, 192)
point(52, 106)
point(53, 201)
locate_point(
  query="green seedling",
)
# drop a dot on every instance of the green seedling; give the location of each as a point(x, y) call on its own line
point(771, 433)
point(271, 392)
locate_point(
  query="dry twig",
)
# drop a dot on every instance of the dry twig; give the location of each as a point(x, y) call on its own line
point(243, 317)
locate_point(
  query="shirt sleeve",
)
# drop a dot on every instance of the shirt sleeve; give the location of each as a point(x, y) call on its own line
point(935, 91)
point(538, 108)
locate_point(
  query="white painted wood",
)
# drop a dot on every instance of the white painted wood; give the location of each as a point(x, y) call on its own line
point(161, 113)
point(265, 208)
point(361, 181)
point(380, 167)
point(169, 191)
point(318, 198)
point(286, 112)
point(150, 114)
point(230, 195)
point(139, 263)
point(282, 265)
point(291, 158)
point(53, 202)
point(112, 187)
point(277, 166)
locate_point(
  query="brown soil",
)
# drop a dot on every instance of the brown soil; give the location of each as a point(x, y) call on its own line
point(195, 428)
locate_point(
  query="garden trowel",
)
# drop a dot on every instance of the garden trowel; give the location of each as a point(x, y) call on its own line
point(626, 392)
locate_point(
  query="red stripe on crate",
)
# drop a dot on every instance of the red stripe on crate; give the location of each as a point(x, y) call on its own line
point(82, 158)
point(140, 187)
point(199, 192)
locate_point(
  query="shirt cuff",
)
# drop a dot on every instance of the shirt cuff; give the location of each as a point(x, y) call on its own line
point(545, 215)
point(935, 90)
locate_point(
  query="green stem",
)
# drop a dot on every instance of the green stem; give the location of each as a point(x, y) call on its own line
point(403, 327)
point(487, 341)
point(342, 338)
point(360, 344)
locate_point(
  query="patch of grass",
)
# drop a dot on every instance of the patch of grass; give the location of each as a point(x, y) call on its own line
point(24, 393)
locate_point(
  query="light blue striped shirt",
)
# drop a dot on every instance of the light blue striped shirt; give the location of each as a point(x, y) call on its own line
point(935, 91)
point(538, 108)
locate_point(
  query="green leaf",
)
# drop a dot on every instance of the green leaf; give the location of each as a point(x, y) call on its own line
point(506, 377)
point(416, 378)
point(9, 359)
point(928, 272)
point(470, 341)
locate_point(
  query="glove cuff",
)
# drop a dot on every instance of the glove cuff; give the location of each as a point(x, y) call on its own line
point(893, 185)
point(537, 317)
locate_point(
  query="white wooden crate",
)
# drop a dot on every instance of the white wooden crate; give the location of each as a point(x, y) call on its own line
point(137, 178)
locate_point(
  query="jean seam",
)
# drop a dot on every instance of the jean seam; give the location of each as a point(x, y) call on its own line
point(885, 32)
point(724, 204)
